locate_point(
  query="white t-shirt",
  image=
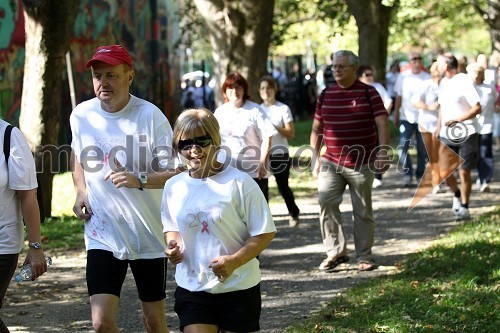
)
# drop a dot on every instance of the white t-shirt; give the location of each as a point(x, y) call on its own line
point(428, 119)
point(408, 85)
point(456, 96)
point(215, 216)
point(279, 114)
point(242, 131)
point(125, 221)
point(390, 79)
point(19, 175)
point(488, 96)
point(382, 92)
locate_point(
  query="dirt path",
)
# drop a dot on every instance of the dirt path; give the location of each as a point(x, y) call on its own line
point(292, 287)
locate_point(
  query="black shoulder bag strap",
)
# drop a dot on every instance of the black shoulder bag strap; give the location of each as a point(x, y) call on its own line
point(6, 144)
point(6, 152)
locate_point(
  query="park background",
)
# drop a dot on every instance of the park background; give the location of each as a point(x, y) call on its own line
point(44, 45)
point(452, 287)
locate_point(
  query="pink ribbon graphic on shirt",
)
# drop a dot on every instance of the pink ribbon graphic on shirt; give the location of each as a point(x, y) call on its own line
point(205, 227)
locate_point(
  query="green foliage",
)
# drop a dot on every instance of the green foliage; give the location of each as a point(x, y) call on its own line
point(62, 232)
point(302, 133)
point(433, 25)
point(321, 22)
point(327, 25)
point(292, 12)
point(450, 287)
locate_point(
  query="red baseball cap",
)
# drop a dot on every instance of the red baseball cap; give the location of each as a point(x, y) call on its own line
point(112, 55)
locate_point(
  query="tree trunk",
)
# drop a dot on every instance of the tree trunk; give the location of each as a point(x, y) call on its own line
point(49, 27)
point(240, 33)
point(372, 19)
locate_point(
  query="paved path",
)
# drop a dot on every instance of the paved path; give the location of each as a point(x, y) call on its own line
point(292, 287)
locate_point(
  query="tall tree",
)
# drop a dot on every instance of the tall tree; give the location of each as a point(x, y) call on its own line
point(373, 19)
point(240, 33)
point(490, 12)
point(49, 26)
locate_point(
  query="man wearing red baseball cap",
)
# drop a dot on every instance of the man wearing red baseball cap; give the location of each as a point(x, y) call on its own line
point(112, 55)
point(118, 172)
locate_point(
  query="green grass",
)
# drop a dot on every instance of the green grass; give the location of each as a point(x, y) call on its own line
point(302, 133)
point(452, 286)
point(62, 233)
point(63, 230)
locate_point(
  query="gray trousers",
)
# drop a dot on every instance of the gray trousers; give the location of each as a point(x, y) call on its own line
point(332, 181)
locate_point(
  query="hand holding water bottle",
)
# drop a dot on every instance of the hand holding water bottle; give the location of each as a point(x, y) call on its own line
point(26, 273)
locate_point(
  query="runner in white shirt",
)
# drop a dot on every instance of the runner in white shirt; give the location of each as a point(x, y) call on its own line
point(366, 74)
point(245, 130)
point(457, 125)
point(405, 117)
point(488, 95)
point(216, 222)
point(427, 103)
point(18, 201)
point(121, 148)
point(282, 119)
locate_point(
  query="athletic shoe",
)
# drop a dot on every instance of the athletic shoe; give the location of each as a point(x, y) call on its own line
point(407, 181)
point(436, 189)
point(294, 221)
point(376, 183)
point(457, 204)
point(484, 188)
point(463, 214)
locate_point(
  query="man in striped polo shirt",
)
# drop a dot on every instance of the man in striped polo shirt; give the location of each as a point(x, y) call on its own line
point(349, 116)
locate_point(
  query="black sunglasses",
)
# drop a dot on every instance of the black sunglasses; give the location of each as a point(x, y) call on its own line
point(416, 58)
point(200, 141)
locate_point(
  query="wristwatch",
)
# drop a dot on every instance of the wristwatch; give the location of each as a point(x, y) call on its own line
point(35, 245)
point(143, 178)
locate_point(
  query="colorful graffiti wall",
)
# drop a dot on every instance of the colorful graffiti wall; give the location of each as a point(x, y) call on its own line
point(139, 25)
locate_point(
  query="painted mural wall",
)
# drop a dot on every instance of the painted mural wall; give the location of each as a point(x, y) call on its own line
point(142, 26)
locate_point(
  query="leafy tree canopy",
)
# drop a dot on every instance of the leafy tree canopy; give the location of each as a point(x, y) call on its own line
point(434, 25)
point(327, 25)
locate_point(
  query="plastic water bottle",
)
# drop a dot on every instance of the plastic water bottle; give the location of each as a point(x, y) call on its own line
point(25, 271)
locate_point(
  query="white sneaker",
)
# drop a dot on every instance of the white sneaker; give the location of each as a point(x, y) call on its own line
point(478, 184)
point(376, 183)
point(294, 221)
point(407, 181)
point(457, 204)
point(462, 214)
point(484, 187)
point(436, 189)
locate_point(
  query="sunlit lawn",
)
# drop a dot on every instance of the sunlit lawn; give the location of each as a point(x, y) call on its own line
point(453, 286)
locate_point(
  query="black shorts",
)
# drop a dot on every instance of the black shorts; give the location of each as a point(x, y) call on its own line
point(106, 274)
point(468, 150)
point(236, 311)
point(8, 265)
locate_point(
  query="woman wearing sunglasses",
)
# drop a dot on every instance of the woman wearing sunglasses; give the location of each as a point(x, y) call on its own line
point(245, 130)
point(216, 222)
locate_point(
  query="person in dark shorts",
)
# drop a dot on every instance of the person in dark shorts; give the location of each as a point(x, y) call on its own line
point(118, 191)
point(457, 124)
point(216, 222)
point(18, 186)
